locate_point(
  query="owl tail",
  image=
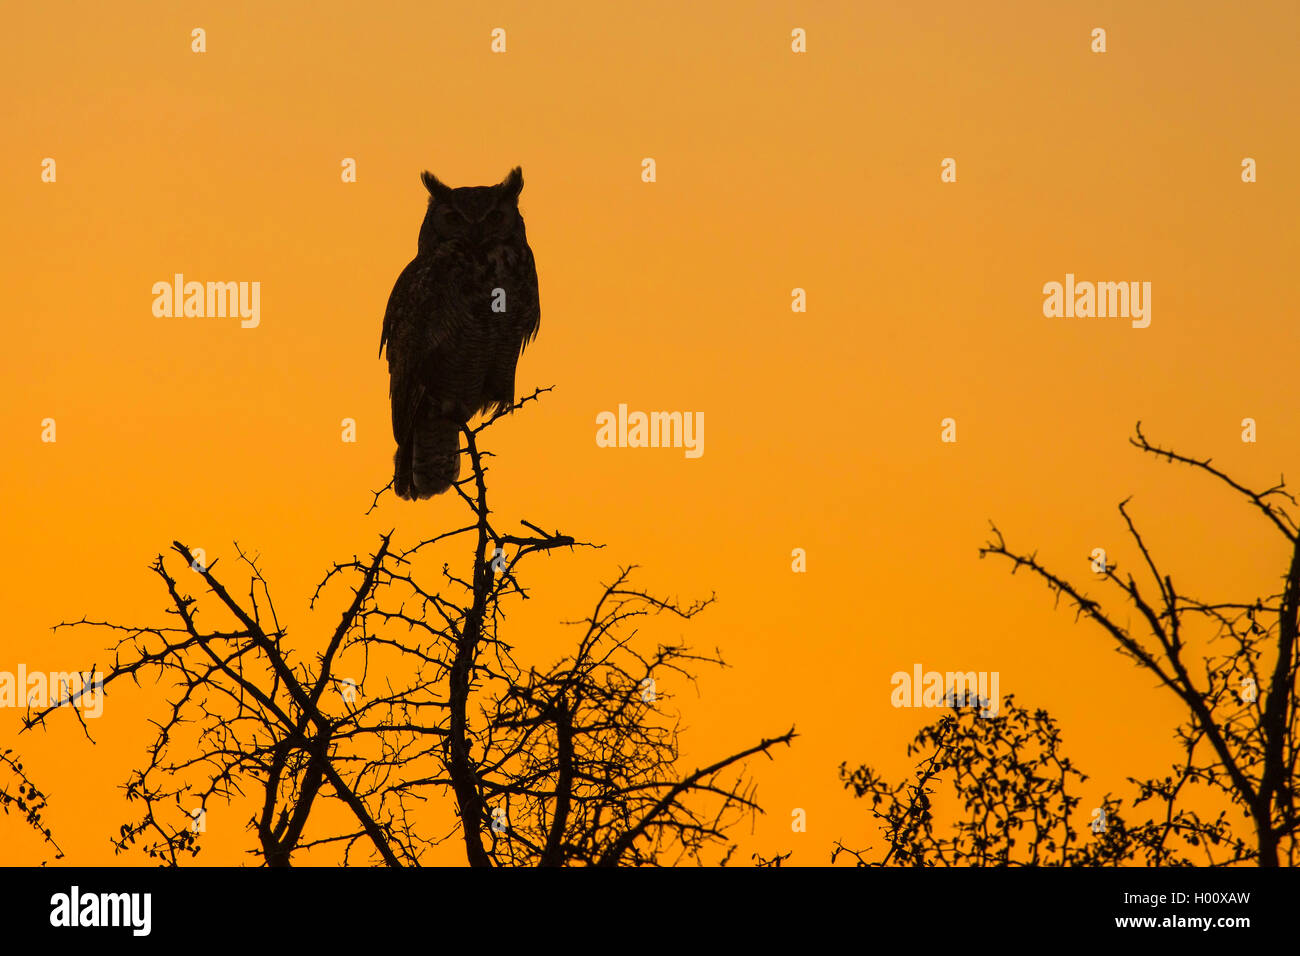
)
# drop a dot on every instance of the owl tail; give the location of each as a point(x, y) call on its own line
point(429, 461)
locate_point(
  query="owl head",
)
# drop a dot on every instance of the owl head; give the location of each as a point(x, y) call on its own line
point(474, 214)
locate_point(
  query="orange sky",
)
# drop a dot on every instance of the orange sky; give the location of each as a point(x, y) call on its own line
point(775, 171)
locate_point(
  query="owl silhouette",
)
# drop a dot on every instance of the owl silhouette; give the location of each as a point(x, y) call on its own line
point(457, 321)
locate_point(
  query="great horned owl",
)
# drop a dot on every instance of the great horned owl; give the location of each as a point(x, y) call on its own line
point(457, 321)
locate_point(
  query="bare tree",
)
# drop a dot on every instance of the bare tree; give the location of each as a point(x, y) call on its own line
point(1230, 663)
point(414, 695)
point(581, 760)
point(999, 791)
point(243, 711)
point(1238, 686)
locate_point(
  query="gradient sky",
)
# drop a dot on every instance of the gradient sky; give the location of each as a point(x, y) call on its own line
point(775, 171)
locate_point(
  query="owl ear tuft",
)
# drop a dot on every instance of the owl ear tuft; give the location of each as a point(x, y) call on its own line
point(513, 183)
point(437, 189)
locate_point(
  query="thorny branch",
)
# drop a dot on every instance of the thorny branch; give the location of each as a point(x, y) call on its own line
point(415, 694)
point(1251, 737)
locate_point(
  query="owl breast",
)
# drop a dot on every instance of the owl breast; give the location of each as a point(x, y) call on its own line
point(476, 372)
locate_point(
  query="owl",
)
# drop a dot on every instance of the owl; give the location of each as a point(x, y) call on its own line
point(457, 321)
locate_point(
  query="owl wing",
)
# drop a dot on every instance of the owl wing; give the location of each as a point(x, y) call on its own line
point(530, 316)
point(522, 322)
point(420, 325)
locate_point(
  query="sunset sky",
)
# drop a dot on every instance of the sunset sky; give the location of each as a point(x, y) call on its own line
point(775, 170)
